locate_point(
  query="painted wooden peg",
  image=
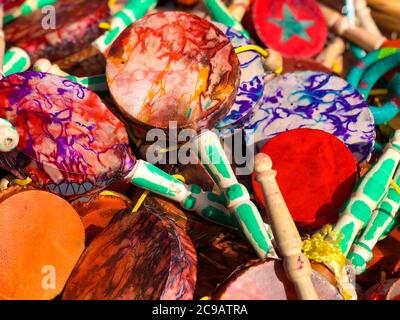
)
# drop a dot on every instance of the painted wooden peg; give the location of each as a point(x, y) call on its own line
point(357, 212)
point(287, 238)
point(383, 218)
point(212, 155)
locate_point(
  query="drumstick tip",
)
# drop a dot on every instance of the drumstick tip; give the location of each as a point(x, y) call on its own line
point(262, 163)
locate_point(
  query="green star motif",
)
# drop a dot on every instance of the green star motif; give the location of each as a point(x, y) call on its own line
point(291, 26)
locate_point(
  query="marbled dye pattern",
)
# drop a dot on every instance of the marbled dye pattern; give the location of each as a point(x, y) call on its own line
point(140, 256)
point(77, 26)
point(173, 66)
point(70, 143)
point(318, 101)
point(251, 85)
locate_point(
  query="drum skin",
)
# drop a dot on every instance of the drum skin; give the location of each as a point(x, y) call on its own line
point(77, 26)
point(70, 143)
point(140, 256)
point(172, 66)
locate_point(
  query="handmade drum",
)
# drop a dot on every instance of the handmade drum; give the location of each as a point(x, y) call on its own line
point(313, 100)
point(316, 175)
point(292, 27)
point(172, 66)
point(252, 81)
point(42, 237)
point(77, 26)
point(266, 280)
point(137, 257)
point(70, 143)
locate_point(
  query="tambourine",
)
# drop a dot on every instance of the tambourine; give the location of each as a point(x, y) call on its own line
point(140, 256)
point(313, 100)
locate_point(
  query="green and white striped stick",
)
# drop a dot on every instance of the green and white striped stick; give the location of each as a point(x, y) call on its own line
point(26, 8)
point(18, 60)
point(382, 218)
point(208, 205)
point(95, 83)
point(212, 156)
point(220, 13)
point(133, 10)
point(371, 189)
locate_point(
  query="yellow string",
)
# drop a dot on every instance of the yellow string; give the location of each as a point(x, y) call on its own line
point(140, 201)
point(105, 25)
point(383, 276)
point(205, 298)
point(165, 150)
point(379, 92)
point(116, 194)
point(252, 47)
point(318, 249)
point(146, 192)
point(20, 182)
point(279, 70)
point(395, 186)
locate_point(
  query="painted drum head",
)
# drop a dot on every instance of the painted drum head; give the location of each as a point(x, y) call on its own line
point(251, 85)
point(267, 280)
point(70, 143)
point(295, 28)
point(318, 101)
point(173, 66)
point(140, 256)
point(316, 174)
point(77, 26)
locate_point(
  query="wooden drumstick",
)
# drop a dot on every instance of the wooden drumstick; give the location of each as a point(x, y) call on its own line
point(238, 8)
point(332, 52)
point(342, 27)
point(364, 14)
point(287, 238)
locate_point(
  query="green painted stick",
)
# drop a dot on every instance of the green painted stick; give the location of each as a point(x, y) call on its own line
point(26, 8)
point(208, 205)
point(383, 217)
point(18, 60)
point(220, 13)
point(213, 158)
point(357, 212)
point(133, 10)
point(95, 83)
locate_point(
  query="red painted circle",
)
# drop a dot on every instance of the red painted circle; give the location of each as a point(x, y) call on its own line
point(316, 174)
point(269, 16)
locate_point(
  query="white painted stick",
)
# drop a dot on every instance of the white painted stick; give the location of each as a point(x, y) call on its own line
point(287, 238)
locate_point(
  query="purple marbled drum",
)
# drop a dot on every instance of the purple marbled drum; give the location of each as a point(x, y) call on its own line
point(251, 85)
point(70, 143)
point(313, 100)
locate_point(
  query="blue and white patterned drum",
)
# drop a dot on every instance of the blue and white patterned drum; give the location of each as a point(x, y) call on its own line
point(251, 81)
point(308, 99)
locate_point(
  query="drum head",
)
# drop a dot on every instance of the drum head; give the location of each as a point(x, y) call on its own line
point(173, 66)
point(70, 143)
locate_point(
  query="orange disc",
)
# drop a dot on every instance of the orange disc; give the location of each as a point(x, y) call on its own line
point(41, 239)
